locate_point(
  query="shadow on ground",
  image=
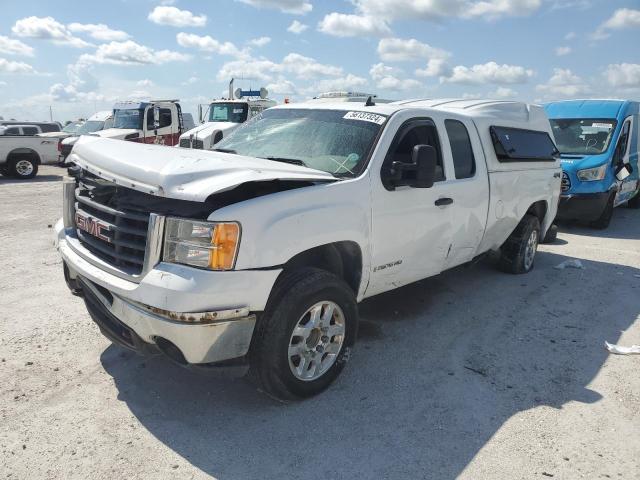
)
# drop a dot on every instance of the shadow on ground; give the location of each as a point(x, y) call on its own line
point(624, 225)
point(37, 179)
point(440, 366)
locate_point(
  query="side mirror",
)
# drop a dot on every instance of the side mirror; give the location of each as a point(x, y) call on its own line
point(156, 117)
point(200, 112)
point(420, 173)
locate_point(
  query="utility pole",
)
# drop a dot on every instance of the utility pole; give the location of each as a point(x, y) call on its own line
point(50, 114)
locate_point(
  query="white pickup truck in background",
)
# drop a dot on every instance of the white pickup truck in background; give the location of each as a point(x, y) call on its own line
point(20, 156)
point(255, 256)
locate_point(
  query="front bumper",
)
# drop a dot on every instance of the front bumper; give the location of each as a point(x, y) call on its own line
point(217, 327)
point(582, 206)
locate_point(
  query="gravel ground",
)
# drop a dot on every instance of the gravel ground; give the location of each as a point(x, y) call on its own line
point(472, 374)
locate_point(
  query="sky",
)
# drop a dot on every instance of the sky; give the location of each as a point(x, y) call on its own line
point(80, 56)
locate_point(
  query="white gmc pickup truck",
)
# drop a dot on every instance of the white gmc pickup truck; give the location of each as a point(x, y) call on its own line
point(254, 257)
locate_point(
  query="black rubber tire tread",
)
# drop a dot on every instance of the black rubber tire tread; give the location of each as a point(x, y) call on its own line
point(551, 235)
point(634, 202)
point(605, 218)
point(293, 293)
point(14, 173)
point(513, 250)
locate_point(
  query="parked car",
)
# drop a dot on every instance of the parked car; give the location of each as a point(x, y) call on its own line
point(224, 116)
point(97, 122)
point(44, 126)
point(155, 121)
point(20, 156)
point(257, 254)
point(20, 130)
point(599, 141)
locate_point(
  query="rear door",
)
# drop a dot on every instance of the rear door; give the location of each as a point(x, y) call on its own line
point(467, 186)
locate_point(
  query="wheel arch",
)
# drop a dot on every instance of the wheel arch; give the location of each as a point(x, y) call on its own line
point(18, 153)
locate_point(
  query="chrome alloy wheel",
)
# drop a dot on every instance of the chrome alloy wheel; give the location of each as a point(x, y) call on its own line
point(24, 168)
point(316, 341)
point(530, 250)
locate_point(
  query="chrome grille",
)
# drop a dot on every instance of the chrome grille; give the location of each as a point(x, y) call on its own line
point(566, 182)
point(189, 143)
point(125, 236)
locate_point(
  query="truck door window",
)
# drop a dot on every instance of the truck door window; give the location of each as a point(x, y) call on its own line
point(165, 117)
point(463, 160)
point(412, 133)
point(12, 131)
point(623, 140)
point(29, 130)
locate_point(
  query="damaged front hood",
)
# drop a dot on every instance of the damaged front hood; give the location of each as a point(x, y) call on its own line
point(185, 174)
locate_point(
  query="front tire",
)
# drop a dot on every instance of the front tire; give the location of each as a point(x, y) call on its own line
point(605, 218)
point(517, 254)
point(304, 336)
point(23, 168)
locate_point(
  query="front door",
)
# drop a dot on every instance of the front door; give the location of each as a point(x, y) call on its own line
point(411, 227)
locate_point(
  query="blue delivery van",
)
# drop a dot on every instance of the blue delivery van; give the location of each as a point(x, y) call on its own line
point(598, 143)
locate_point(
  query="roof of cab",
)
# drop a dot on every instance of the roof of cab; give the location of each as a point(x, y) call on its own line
point(499, 109)
point(592, 108)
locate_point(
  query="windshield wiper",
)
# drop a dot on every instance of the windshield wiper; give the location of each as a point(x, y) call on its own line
point(225, 150)
point(293, 161)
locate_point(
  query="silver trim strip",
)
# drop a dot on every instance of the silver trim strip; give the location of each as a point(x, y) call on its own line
point(153, 250)
point(68, 201)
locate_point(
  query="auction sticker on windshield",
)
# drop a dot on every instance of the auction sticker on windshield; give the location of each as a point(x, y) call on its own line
point(365, 117)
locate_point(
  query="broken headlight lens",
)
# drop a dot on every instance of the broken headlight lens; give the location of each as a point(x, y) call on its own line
point(209, 245)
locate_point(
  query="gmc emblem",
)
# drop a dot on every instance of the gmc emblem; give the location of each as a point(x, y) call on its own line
point(92, 227)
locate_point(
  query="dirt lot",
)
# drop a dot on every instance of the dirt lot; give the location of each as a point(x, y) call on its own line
point(473, 374)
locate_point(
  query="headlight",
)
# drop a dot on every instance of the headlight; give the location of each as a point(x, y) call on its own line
point(201, 244)
point(592, 174)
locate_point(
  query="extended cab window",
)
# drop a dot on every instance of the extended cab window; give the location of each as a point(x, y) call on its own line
point(29, 130)
point(463, 160)
point(412, 133)
point(519, 145)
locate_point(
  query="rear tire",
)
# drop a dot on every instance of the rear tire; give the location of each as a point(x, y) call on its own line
point(605, 218)
point(517, 254)
point(296, 354)
point(23, 168)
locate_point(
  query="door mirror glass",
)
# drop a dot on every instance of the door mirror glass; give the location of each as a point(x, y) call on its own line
point(156, 117)
point(419, 173)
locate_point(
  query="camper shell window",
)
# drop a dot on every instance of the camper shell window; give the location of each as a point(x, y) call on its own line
point(519, 145)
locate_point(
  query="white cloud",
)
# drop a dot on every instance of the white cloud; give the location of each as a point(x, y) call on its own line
point(10, 46)
point(504, 92)
point(99, 31)
point(131, 53)
point(298, 7)
point(346, 83)
point(47, 28)
point(175, 17)
point(563, 83)
point(306, 67)
point(436, 67)
point(343, 25)
point(282, 86)
point(297, 27)
point(9, 66)
point(263, 69)
point(436, 9)
point(623, 75)
point(260, 41)
point(570, 36)
point(191, 81)
point(562, 51)
point(208, 44)
point(488, 73)
point(621, 19)
point(392, 78)
point(145, 83)
point(401, 50)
